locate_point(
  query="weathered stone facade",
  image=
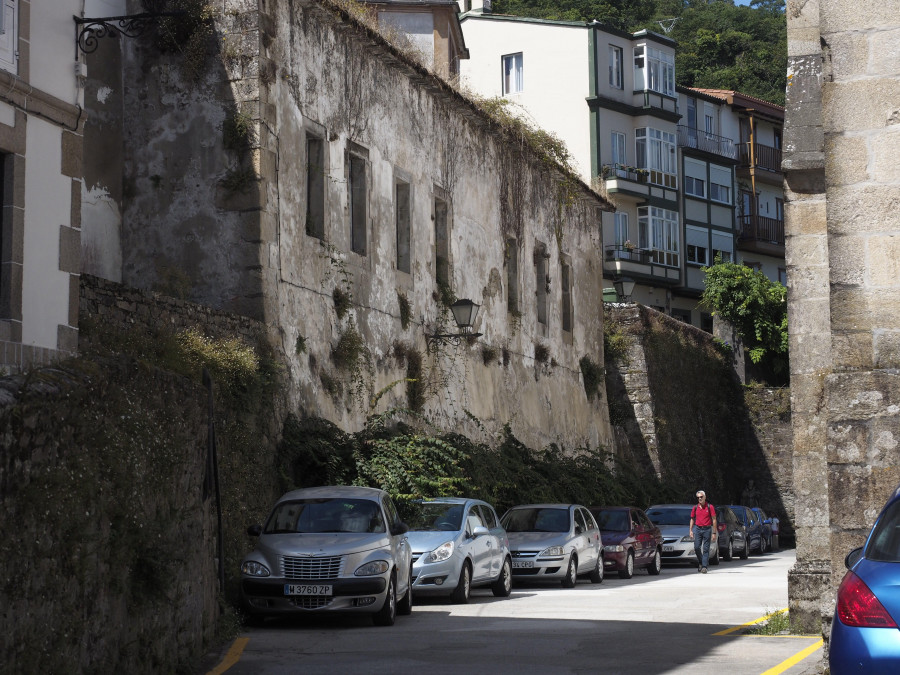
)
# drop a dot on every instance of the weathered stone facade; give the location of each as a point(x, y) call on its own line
point(304, 100)
point(842, 231)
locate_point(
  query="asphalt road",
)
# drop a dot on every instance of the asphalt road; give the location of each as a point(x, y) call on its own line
point(678, 622)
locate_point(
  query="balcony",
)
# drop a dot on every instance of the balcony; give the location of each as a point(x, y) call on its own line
point(761, 235)
point(643, 177)
point(700, 140)
point(759, 156)
point(635, 175)
point(647, 264)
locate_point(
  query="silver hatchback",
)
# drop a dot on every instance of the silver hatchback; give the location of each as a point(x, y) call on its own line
point(554, 542)
point(457, 544)
point(330, 549)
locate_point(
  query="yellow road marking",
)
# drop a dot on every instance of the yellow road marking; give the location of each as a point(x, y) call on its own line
point(751, 623)
point(795, 659)
point(231, 657)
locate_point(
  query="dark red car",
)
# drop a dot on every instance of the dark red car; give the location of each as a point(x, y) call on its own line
point(630, 540)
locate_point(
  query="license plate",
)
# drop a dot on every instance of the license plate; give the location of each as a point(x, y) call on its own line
point(307, 589)
point(522, 564)
point(668, 549)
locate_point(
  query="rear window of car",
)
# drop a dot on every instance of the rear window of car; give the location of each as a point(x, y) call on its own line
point(671, 516)
point(884, 544)
point(536, 520)
point(326, 515)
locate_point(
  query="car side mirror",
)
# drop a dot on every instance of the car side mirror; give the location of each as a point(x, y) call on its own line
point(400, 528)
point(254, 530)
point(853, 557)
point(480, 531)
point(578, 529)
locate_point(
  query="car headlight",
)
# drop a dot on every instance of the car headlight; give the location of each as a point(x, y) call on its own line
point(687, 537)
point(552, 551)
point(442, 552)
point(614, 548)
point(254, 569)
point(370, 569)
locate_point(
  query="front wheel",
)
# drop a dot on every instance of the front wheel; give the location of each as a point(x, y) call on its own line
point(656, 566)
point(461, 593)
point(597, 572)
point(729, 552)
point(388, 612)
point(404, 607)
point(628, 572)
point(745, 552)
point(503, 586)
point(714, 560)
point(571, 573)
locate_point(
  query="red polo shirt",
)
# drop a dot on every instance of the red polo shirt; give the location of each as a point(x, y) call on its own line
point(703, 515)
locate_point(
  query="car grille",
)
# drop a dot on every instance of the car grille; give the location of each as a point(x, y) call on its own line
point(415, 557)
point(671, 541)
point(312, 568)
point(310, 602)
point(522, 555)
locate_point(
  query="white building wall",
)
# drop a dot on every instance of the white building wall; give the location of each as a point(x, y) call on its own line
point(555, 73)
point(45, 289)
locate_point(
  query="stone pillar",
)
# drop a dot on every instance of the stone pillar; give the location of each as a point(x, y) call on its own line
point(843, 248)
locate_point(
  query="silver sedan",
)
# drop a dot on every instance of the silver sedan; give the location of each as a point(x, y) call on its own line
point(554, 542)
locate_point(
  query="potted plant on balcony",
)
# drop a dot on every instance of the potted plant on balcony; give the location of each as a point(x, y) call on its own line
point(629, 245)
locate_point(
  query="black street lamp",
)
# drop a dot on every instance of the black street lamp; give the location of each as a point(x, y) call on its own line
point(464, 313)
point(624, 288)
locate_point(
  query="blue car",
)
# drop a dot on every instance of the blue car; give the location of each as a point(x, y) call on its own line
point(864, 633)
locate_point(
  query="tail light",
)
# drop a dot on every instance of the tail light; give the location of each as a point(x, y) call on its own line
point(858, 606)
point(721, 527)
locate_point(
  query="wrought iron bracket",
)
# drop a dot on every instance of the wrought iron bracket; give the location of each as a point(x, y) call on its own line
point(434, 340)
point(91, 31)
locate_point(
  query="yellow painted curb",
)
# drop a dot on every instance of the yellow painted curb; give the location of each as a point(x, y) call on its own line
point(231, 657)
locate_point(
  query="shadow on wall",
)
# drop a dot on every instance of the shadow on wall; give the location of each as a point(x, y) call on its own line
point(679, 410)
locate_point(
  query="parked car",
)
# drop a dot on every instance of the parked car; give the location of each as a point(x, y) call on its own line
point(457, 544)
point(769, 528)
point(554, 542)
point(674, 521)
point(630, 540)
point(753, 526)
point(864, 632)
point(731, 531)
point(330, 549)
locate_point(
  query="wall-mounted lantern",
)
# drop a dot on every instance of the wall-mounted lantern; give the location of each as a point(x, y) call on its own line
point(464, 313)
point(624, 288)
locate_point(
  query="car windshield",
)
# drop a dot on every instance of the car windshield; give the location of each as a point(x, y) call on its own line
point(884, 544)
point(326, 515)
point(432, 516)
point(614, 521)
point(536, 520)
point(673, 516)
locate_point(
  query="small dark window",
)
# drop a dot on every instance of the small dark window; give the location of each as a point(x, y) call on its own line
point(566, 271)
point(512, 276)
point(441, 243)
point(315, 187)
point(402, 206)
point(358, 204)
point(541, 281)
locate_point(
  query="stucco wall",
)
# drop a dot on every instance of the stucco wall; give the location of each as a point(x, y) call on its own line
point(304, 69)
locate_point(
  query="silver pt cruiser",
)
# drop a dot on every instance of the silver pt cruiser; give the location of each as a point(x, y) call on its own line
point(330, 549)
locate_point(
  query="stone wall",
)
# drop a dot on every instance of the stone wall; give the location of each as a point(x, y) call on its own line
point(679, 410)
point(842, 226)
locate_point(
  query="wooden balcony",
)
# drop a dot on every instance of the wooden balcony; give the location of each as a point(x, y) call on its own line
point(761, 235)
point(760, 157)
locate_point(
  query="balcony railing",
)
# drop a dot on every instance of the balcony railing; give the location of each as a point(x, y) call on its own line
point(612, 171)
point(766, 157)
point(700, 140)
point(759, 228)
point(644, 256)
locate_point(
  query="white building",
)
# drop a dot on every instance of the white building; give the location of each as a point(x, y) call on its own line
point(41, 118)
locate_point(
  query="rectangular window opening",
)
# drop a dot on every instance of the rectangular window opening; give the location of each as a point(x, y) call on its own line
point(358, 209)
point(315, 187)
point(441, 244)
point(512, 74)
point(541, 280)
point(566, 281)
point(512, 276)
point(616, 79)
point(402, 206)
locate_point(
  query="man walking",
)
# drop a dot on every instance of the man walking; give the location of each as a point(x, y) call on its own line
point(703, 516)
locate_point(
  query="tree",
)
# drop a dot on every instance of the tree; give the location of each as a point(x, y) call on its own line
point(757, 308)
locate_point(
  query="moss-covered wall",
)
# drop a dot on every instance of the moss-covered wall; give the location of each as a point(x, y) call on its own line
point(679, 410)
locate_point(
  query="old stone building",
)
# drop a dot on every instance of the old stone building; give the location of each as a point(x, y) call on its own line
point(842, 135)
point(311, 175)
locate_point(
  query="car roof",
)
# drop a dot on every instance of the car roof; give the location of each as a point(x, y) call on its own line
point(612, 508)
point(329, 491)
point(543, 506)
point(447, 500)
point(671, 506)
